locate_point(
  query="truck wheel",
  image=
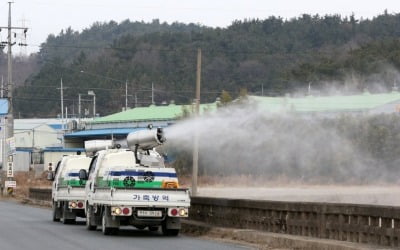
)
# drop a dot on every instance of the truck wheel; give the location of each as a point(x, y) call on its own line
point(107, 230)
point(56, 212)
point(89, 217)
point(65, 211)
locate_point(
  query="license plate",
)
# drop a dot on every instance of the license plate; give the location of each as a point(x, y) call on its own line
point(146, 213)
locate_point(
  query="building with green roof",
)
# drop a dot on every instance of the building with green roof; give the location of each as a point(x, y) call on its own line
point(157, 115)
point(118, 125)
point(330, 105)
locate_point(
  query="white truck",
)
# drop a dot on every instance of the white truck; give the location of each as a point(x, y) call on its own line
point(133, 187)
point(68, 191)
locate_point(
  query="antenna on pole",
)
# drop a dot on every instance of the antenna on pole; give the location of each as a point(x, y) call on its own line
point(22, 44)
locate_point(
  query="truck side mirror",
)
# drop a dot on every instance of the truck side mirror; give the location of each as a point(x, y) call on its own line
point(50, 176)
point(83, 174)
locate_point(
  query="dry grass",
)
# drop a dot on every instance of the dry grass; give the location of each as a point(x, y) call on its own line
point(26, 180)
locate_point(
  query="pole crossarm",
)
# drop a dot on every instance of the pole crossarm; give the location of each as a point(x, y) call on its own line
point(14, 28)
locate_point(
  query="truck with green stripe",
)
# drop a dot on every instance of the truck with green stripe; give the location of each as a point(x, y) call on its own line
point(133, 187)
point(68, 191)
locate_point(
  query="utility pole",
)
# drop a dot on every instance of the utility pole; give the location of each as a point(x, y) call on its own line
point(62, 103)
point(79, 106)
point(262, 89)
point(2, 87)
point(196, 134)
point(135, 100)
point(9, 76)
point(10, 117)
point(91, 92)
point(152, 93)
point(126, 95)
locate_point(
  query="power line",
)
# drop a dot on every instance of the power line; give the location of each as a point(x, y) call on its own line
point(192, 50)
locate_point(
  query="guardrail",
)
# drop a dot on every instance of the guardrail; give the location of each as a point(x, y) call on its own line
point(369, 224)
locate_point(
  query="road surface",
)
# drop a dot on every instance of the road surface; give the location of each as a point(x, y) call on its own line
point(25, 227)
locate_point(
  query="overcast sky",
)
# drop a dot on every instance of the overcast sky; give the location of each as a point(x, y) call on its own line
point(44, 17)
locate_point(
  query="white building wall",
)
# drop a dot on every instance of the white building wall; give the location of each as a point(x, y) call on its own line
point(37, 137)
point(22, 161)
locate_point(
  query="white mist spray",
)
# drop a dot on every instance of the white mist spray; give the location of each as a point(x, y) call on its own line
point(245, 140)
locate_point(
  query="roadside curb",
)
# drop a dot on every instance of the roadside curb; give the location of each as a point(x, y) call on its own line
point(35, 202)
point(265, 240)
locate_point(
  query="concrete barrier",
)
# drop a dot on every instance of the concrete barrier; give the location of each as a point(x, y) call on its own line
point(41, 194)
point(368, 224)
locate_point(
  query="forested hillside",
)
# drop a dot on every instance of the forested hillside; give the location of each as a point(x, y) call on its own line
point(274, 55)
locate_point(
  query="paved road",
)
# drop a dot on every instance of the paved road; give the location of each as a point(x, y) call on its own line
point(30, 228)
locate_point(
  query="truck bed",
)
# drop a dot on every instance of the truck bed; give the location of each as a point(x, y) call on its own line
point(67, 193)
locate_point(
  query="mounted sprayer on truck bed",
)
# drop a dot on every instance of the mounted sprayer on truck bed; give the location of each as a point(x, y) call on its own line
point(133, 187)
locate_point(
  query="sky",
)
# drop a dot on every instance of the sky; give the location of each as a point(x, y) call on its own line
point(44, 17)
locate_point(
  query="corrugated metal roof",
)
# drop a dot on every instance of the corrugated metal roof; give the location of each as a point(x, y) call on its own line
point(60, 149)
point(327, 103)
point(154, 113)
point(56, 126)
point(102, 132)
point(3, 106)
point(24, 149)
point(31, 126)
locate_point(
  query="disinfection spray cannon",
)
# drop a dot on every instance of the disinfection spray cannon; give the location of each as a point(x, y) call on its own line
point(145, 140)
